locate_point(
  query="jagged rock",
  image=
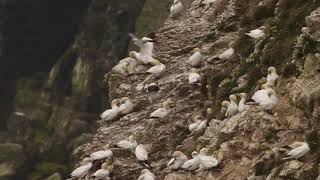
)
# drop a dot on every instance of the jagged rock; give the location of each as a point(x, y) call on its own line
point(297, 170)
point(313, 22)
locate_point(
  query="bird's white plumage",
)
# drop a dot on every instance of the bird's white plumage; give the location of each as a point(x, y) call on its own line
point(242, 106)
point(161, 112)
point(126, 107)
point(271, 102)
point(202, 126)
point(176, 8)
point(195, 59)
point(193, 126)
point(81, 171)
point(227, 54)
point(256, 33)
point(233, 107)
point(193, 163)
point(130, 145)
point(112, 113)
point(272, 77)
point(208, 1)
point(177, 161)
point(101, 155)
point(141, 153)
point(157, 69)
point(207, 162)
point(146, 175)
point(194, 78)
point(260, 96)
point(298, 151)
point(101, 174)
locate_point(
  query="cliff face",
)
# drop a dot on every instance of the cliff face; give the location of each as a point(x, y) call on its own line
point(53, 59)
point(249, 144)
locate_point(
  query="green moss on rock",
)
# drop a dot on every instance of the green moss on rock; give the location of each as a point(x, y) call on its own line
point(10, 151)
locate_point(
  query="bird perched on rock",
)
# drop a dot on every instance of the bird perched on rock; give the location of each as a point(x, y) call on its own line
point(208, 1)
point(242, 106)
point(206, 161)
point(197, 121)
point(192, 164)
point(153, 91)
point(257, 33)
point(196, 58)
point(112, 113)
point(145, 44)
point(157, 69)
point(231, 107)
point(271, 102)
point(126, 105)
point(261, 95)
point(142, 155)
point(103, 154)
point(299, 149)
point(272, 77)
point(145, 59)
point(161, 112)
point(194, 77)
point(178, 159)
point(228, 53)
point(176, 8)
point(146, 174)
point(130, 144)
point(103, 173)
point(82, 170)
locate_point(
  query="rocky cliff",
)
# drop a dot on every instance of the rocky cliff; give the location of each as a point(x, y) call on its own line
point(246, 145)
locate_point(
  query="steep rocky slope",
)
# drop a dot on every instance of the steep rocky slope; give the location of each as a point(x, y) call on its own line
point(245, 145)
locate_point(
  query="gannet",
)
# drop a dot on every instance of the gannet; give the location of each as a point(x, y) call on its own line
point(126, 105)
point(157, 69)
point(261, 95)
point(271, 102)
point(153, 91)
point(195, 59)
point(130, 145)
point(208, 1)
point(257, 33)
point(231, 107)
point(176, 8)
point(300, 149)
point(142, 155)
point(272, 77)
point(228, 53)
point(197, 122)
point(194, 77)
point(103, 154)
point(145, 44)
point(202, 126)
point(110, 114)
point(160, 112)
point(146, 174)
point(82, 170)
point(144, 58)
point(177, 161)
point(242, 106)
point(206, 161)
point(193, 163)
point(103, 173)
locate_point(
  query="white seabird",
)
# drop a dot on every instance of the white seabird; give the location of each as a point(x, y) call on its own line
point(103, 154)
point(176, 8)
point(112, 113)
point(146, 174)
point(300, 149)
point(242, 106)
point(257, 33)
point(145, 59)
point(153, 91)
point(231, 107)
point(271, 102)
point(194, 77)
point(261, 95)
point(177, 161)
point(202, 126)
point(161, 112)
point(130, 144)
point(103, 173)
point(208, 1)
point(197, 122)
point(193, 163)
point(206, 161)
point(228, 53)
point(157, 69)
point(82, 170)
point(142, 155)
point(126, 105)
point(145, 44)
point(272, 77)
point(196, 58)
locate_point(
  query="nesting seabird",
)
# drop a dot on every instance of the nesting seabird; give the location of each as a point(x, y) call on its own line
point(130, 144)
point(161, 112)
point(146, 174)
point(153, 91)
point(145, 59)
point(112, 113)
point(142, 155)
point(261, 95)
point(196, 58)
point(231, 107)
point(103, 173)
point(271, 102)
point(176, 8)
point(178, 159)
point(300, 149)
point(272, 77)
point(228, 53)
point(82, 170)
point(257, 33)
point(157, 69)
point(242, 106)
point(206, 161)
point(208, 1)
point(102, 154)
point(197, 122)
point(145, 44)
point(193, 163)
point(126, 105)
point(194, 77)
